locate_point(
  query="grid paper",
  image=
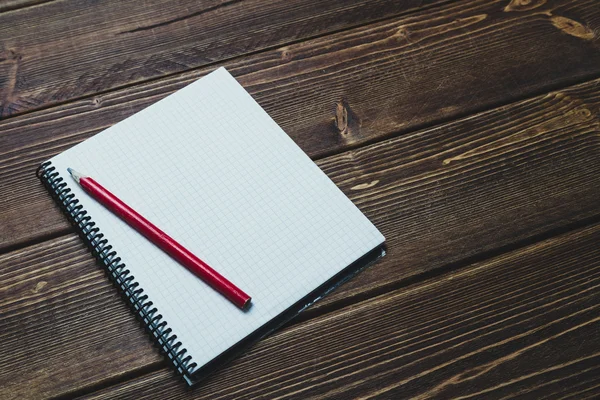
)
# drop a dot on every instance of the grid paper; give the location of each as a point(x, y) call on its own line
point(209, 167)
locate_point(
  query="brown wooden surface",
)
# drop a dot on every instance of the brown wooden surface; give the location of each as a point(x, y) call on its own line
point(8, 5)
point(119, 42)
point(385, 85)
point(467, 131)
point(437, 175)
point(521, 325)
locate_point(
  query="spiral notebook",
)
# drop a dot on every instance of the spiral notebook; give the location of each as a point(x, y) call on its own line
point(209, 167)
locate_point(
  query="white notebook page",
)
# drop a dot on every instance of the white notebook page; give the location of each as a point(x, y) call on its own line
point(209, 167)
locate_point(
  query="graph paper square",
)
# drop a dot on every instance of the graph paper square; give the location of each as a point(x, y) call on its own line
point(209, 167)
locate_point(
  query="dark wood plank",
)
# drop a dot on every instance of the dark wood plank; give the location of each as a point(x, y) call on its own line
point(439, 196)
point(48, 299)
point(108, 44)
point(333, 93)
point(9, 5)
point(522, 325)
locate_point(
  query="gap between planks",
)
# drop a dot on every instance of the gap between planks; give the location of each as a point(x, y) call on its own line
point(473, 269)
point(315, 131)
point(445, 269)
point(349, 148)
point(219, 62)
point(20, 4)
point(312, 313)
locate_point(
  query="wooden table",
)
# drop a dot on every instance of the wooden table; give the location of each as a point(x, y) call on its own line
point(468, 131)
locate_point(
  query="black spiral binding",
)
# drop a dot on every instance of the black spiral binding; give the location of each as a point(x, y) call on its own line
point(116, 270)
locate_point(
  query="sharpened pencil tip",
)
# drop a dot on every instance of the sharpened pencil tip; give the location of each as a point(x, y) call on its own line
point(76, 175)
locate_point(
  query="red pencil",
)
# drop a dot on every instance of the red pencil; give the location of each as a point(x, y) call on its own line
point(162, 240)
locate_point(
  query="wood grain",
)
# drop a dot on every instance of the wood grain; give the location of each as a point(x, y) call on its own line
point(332, 93)
point(49, 300)
point(8, 5)
point(522, 325)
point(108, 44)
point(438, 195)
